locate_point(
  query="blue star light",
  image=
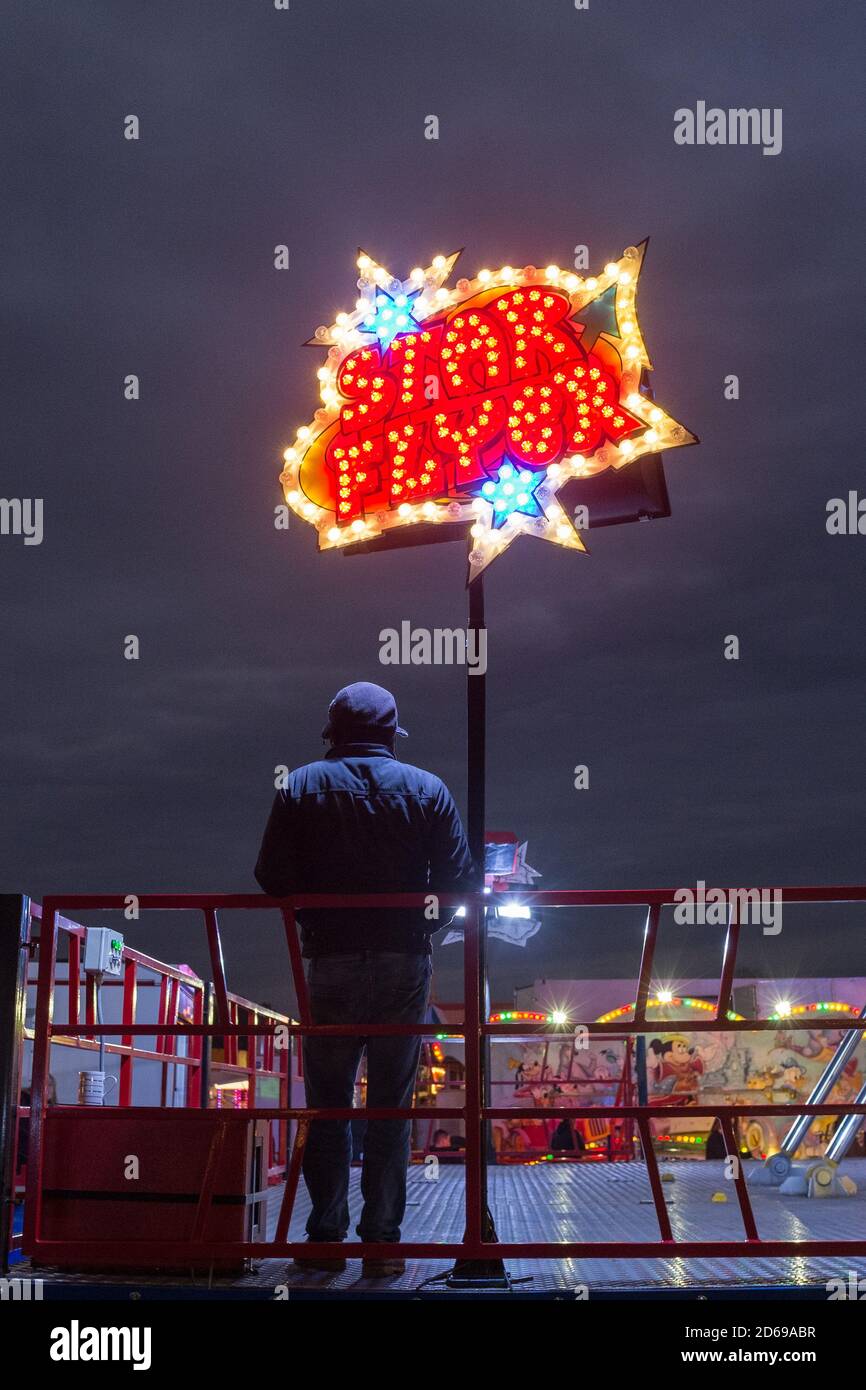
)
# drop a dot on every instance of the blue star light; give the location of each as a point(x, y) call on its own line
point(511, 492)
point(391, 315)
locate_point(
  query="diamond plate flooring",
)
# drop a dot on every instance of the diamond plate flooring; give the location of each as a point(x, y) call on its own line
point(575, 1202)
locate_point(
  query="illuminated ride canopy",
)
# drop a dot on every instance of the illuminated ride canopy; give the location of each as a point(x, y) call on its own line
point(475, 404)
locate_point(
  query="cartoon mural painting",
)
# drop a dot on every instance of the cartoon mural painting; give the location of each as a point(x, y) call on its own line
point(674, 1070)
point(682, 1069)
point(547, 1072)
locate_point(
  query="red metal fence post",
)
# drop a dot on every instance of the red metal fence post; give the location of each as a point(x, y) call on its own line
point(473, 1042)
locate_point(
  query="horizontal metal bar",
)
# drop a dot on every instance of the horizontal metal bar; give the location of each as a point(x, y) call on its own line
point(661, 1112)
point(258, 1112)
point(576, 1112)
point(543, 897)
point(436, 1030)
point(692, 1025)
point(189, 1252)
point(255, 1030)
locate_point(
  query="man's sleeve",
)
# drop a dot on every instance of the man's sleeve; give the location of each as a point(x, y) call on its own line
point(451, 868)
point(275, 868)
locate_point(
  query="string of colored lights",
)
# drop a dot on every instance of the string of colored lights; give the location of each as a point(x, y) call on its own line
point(665, 1002)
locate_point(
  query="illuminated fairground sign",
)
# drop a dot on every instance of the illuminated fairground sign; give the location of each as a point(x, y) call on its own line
point(475, 404)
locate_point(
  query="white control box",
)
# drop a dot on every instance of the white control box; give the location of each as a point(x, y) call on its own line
point(103, 951)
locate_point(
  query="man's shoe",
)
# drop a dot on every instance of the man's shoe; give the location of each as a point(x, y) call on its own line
point(383, 1269)
point(322, 1266)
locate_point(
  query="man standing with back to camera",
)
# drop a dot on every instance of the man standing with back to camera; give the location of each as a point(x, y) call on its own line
point(359, 821)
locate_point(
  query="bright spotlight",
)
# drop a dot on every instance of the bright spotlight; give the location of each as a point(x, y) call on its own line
point(514, 910)
point(665, 996)
point(559, 1017)
point(783, 1008)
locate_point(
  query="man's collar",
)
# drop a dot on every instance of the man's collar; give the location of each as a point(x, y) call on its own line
point(360, 750)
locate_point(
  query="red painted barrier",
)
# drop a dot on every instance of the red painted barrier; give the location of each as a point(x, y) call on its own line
point(204, 1244)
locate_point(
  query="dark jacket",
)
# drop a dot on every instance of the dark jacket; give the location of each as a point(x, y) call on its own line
point(360, 821)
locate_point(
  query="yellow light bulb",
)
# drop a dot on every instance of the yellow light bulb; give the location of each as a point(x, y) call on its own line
point(611, 268)
point(334, 533)
point(552, 272)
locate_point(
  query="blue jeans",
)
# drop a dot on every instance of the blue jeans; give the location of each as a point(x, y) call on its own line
point(362, 987)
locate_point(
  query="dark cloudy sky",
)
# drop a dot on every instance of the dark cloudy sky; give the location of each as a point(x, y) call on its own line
point(306, 127)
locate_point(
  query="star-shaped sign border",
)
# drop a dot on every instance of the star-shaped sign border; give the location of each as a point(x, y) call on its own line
point(602, 307)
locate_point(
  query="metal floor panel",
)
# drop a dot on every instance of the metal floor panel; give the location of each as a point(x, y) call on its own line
point(573, 1202)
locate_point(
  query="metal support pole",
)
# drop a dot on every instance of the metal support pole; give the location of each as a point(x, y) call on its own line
point(14, 955)
point(824, 1085)
point(478, 1273)
point(846, 1131)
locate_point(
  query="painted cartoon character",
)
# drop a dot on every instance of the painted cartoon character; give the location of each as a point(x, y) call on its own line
point(677, 1068)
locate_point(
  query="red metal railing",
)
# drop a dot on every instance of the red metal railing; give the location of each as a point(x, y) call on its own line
point(182, 1004)
point(475, 1114)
